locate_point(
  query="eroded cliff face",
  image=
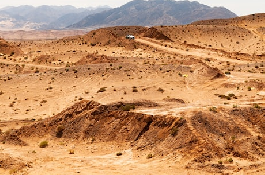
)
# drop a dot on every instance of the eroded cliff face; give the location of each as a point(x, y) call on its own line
point(201, 136)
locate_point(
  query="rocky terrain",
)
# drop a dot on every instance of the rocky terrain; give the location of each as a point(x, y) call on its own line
point(176, 100)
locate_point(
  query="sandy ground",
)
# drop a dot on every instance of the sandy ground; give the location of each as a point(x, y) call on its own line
point(32, 90)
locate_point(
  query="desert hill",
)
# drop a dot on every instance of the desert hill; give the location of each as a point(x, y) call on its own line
point(175, 100)
point(231, 38)
point(250, 20)
point(9, 49)
point(236, 35)
point(151, 13)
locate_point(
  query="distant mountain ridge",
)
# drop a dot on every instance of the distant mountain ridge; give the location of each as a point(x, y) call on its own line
point(134, 13)
point(43, 17)
point(155, 12)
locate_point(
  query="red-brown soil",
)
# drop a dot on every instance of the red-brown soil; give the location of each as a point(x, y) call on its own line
point(8, 49)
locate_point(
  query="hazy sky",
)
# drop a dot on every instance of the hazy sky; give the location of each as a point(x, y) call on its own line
point(240, 7)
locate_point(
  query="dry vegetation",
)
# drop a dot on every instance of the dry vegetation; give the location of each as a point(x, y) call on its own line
point(176, 100)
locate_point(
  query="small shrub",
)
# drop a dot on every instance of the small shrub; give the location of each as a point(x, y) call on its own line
point(256, 106)
point(230, 160)
point(75, 71)
point(127, 107)
point(149, 156)
point(11, 105)
point(220, 162)
point(119, 154)
point(213, 109)
point(174, 131)
point(71, 151)
point(227, 73)
point(37, 70)
point(43, 101)
point(49, 88)
point(249, 88)
point(232, 96)
point(161, 90)
point(93, 139)
point(1, 92)
point(43, 144)
point(59, 131)
point(102, 89)
point(224, 97)
point(135, 89)
point(233, 138)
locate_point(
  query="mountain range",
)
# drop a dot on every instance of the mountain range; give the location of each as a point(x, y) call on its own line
point(136, 12)
point(43, 17)
point(155, 12)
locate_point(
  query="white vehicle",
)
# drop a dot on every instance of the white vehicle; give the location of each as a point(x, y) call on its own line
point(130, 37)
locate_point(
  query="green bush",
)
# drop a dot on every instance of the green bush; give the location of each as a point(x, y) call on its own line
point(256, 106)
point(149, 156)
point(230, 160)
point(102, 89)
point(213, 109)
point(43, 144)
point(174, 131)
point(127, 107)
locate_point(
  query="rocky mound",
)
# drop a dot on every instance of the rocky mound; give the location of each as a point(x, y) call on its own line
point(44, 59)
point(7, 162)
point(201, 135)
point(8, 49)
point(110, 36)
point(154, 33)
point(96, 59)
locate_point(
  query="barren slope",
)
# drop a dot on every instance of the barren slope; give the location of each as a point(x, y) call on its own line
point(195, 101)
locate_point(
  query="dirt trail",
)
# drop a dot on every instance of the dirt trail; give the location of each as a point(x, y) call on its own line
point(30, 64)
point(195, 52)
point(254, 31)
